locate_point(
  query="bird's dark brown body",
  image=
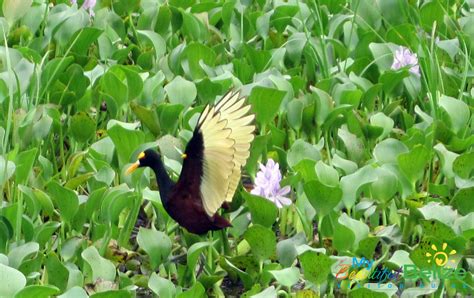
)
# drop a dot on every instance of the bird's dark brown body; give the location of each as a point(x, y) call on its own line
point(182, 200)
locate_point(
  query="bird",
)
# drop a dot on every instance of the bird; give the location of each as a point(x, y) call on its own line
point(212, 165)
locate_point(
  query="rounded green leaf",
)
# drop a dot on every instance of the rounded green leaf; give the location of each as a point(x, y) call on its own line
point(181, 91)
point(12, 281)
point(82, 127)
point(262, 241)
point(156, 244)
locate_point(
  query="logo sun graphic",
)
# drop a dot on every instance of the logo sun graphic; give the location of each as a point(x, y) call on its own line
point(441, 257)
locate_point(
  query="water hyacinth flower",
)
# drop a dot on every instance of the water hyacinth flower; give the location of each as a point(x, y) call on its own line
point(404, 57)
point(267, 184)
point(87, 5)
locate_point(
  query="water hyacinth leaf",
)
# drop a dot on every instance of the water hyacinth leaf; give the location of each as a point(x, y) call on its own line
point(58, 275)
point(44, 232)
point(282, 16)
point(381, 120)
point(437, 229)
point(38, 291)
point(327, 174)
point(444, 214)
point(352, 183)
point(463, 165)
point(322, 197)
point(302, 150)
point(156, 244)
point(157, 42)
point(262, 241)
point(316, 266)
point(161, 286)
point(17, 255)
point(348, 166)
point(262, 210)
point(14, 10)
point(286, 277)
point(392, 78)
point(101, 268)
point(447, 159)
point(413, 163)
point(462, 200)
point(295, 114)
point(193, 55)
point(265, 103)
point(358, 228)
point(181, 91)
point(66, 200)
point(193, 254)
point(386, 185)
point(286, 249)
point(306, 168)
point(354, 145)
point(82, 127)
point(24, 163)
point(7, 168)
point(268, 292)
point(125, 141)
point(457, 110)
point(197, 290)
point(12, 281)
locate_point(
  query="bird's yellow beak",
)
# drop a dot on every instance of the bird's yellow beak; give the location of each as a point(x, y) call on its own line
point(133, 167)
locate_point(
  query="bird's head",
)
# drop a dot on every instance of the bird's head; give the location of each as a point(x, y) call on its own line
point(147, 158)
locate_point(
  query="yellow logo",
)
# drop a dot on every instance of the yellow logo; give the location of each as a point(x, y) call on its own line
point(440, 257)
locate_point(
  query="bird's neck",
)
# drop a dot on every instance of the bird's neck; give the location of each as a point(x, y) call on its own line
point(164, 181)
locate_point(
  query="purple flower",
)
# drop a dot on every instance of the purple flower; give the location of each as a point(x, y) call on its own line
point(404, 57)
point(267, 184)
point(88, 4)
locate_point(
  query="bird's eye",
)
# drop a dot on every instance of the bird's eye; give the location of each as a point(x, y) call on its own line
point(141, 155)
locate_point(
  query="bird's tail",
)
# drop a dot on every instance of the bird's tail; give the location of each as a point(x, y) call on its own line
point(220, 222)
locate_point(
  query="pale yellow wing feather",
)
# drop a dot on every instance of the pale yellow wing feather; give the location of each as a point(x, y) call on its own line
point(227, 133)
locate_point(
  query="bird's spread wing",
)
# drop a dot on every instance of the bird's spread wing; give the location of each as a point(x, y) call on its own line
point(227, 131)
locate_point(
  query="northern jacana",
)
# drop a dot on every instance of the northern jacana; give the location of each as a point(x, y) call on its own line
point(212, 164)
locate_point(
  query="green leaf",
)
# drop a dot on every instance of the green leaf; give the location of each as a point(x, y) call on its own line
point(101, 267)
point(286, 277)
point(352, 183)
point(10, 169)
point(262, 241)
point(181, 91)
point(156, 244)
point(327, 174)
point(14, 9)
point(322, 197)
point(17, 255)
point(286, 249)
point(196, 291)
point(301, 150)
point(463, 165)
point(265, 103)
point(156, 41)
point(457, 110)
point(66, 200)
point(82, 127)
point(413, 163)
point(38, 291)
point(316, 266)
point(161, 286)
point(24, 163)
point(282, 16)
point(462, 200)
point(12, 281)
point(263, 211)
point(74, 292)
point(58, 275)
point(126, 141)
point(193, 55)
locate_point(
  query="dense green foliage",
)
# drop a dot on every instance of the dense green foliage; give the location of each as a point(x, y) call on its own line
point(380, 160)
